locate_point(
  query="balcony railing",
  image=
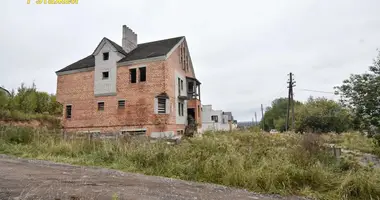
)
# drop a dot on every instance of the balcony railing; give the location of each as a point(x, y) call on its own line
point(193, 88)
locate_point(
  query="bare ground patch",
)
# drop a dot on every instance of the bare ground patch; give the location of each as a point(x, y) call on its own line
point(34, 179)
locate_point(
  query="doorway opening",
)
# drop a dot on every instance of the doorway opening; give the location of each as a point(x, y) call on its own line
point(190, 116)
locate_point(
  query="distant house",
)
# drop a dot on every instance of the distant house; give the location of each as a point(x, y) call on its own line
point(136, 88)
point(217, 120)
point(3, 90)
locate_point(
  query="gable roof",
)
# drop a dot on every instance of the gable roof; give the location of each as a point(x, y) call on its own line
point(151, 49)
point(114, 44)
point(142, 51)
point(86, 62)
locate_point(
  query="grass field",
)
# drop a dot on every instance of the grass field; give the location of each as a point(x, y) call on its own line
point(287, 164)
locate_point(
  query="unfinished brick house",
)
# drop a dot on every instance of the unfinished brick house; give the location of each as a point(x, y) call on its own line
point(147, 88)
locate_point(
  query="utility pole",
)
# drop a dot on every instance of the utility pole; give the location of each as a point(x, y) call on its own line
point(262, 116)
point(255, 119)
point(291, 83)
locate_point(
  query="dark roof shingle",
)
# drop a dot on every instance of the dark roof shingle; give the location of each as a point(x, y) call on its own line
point(151, 49)
point(86, 62)
point(142, 51)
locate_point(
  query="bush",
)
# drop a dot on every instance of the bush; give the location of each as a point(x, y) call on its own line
point(377, 139)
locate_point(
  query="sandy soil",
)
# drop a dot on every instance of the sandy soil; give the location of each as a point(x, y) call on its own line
point(33, 179)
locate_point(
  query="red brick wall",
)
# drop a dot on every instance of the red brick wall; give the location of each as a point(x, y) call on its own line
point(78, 89)
point(174, 62)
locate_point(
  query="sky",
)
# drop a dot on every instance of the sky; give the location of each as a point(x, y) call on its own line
point(242, 50)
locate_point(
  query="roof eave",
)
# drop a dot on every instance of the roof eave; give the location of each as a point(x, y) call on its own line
point(194, 79)
point(152, 59)
point(175, 47)
point(145, 60)
point(87, 69)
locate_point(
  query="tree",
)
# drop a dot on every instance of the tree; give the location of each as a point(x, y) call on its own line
point(55, 108)
point(321, 115)
point(25, 100)
point(275, 115)
point(361, 94)
point(42, 102)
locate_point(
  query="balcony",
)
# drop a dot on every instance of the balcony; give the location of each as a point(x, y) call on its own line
point(193, 88)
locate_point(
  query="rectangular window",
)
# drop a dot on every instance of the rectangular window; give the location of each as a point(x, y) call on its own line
point(105, 75)
point(180, 55)
point(133, 75)
point(180, 109)
point(68, 112)
point(121, 104)
point(106, 56)
point(179, 88)
point(187, 63)
point(190, 87)
point(214, 118)
point(181, 84)
point(161, 105)
point(100, 105)
point(142, 74)
point(184, 54)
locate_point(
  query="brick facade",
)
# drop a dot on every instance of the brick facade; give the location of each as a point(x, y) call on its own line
point(77, 89)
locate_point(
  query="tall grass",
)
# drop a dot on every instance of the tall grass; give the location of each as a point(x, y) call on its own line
point(354, 141)
point(286, 164)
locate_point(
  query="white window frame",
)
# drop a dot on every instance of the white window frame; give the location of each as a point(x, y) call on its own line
point(167, 105)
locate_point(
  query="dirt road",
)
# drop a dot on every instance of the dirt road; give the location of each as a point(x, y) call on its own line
point(31, 179)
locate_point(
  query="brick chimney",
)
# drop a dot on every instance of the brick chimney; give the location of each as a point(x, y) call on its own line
point(129, 41)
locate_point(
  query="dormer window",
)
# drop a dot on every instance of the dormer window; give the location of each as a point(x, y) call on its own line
point(105, 75)
point(106, 56)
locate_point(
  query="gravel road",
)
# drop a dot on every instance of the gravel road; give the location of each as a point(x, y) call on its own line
point(33, 179)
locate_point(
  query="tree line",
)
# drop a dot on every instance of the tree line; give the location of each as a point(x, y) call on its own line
point(357, 109)
point(28, 101)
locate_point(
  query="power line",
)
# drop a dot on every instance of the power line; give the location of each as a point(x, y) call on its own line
point(309, 90)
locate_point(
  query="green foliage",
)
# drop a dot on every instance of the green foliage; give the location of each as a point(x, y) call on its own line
point(42, 102)
point(276, 114)
point(321, 116)
point(316, 115)
point(287, 164)
point(25, 100)
point(115, 197)
point(29, 104)
point(361, 93)
point(54, 107)
point(3, 100)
